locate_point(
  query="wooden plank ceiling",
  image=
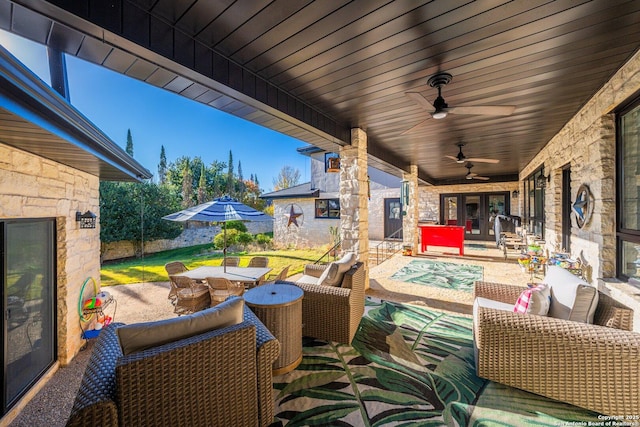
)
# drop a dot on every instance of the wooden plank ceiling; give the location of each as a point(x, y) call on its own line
point(315, 69)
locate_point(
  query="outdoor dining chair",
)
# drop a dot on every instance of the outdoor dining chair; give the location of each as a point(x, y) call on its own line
point(273, 278)
point(259, 261)
point(231, 261)
point(220, 289)
point(174, 268)
point(191, 296)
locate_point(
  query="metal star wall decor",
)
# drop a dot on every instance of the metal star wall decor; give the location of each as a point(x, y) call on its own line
point(582, 206)
point(295, 215)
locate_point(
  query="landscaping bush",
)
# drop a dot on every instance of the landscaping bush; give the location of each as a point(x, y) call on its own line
point(232, 238)
point(263, 239)
point(244, 239)
point(235, 225)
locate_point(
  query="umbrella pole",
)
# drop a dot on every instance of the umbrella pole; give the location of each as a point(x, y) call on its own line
point(224, 249)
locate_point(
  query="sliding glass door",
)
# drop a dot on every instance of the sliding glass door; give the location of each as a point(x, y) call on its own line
point(28, 298)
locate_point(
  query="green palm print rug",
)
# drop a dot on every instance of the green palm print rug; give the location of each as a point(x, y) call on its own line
point(440, 274)
point(407, 366)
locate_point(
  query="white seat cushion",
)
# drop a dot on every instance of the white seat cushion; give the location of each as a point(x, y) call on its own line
point(309, 280)
point(489, 303)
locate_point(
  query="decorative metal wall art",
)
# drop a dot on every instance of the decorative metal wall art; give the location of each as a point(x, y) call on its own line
point(582, 206)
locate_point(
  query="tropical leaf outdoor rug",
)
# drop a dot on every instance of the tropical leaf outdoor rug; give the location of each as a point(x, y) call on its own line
point(440, 274)
point(407, 366)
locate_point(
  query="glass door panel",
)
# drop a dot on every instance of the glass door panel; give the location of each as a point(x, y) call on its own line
point(450, 210)
point(29, 289)
point(472, 215)
point(496, 203)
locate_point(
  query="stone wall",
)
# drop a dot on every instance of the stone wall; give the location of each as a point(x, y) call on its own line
point(32, 187)
point(188, 237)
point(376, 211)
point(590, 138)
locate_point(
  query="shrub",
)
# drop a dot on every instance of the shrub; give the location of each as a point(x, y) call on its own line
point(235, 225)
point(244, 239)
point(232, 238)
point(263, 239)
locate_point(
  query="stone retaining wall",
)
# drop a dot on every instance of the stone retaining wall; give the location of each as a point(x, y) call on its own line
point(189, 237)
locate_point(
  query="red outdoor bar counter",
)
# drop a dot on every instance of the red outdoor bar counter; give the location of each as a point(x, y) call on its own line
point(442, 235)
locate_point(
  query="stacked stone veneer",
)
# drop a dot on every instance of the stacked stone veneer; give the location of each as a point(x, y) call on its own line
point(188, 237)
point(33, 187)
point(587, 145)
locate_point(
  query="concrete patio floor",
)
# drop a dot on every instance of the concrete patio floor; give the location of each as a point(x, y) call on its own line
point(144, 302)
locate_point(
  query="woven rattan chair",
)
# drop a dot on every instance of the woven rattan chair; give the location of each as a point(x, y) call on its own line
point(594, 366)
point(272, 278)
point(174, 268)
point(259, 261)
point(220, 289)
point(231, 261)
point(333, 313)
point(191, 296)
point(232, 391)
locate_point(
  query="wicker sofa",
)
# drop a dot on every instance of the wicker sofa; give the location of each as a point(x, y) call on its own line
point(594, 366)
point(222, 377)
point(333, 313)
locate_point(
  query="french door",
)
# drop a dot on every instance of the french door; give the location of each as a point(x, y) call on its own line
point(392, 218)
point(27, 249)
point(473, 211)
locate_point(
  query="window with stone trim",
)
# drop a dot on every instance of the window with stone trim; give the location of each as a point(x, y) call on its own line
point(327, 208)
point(628, 194)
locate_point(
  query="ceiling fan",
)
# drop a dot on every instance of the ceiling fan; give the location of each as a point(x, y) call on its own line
point(471, 175)
point(440, 109)
point(461, 158)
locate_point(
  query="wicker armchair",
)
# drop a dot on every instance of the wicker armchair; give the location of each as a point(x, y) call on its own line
point(191, 296)
point(594, 366)
point(172, 269)
point(220, 289)
point(259, 261)
point(191, 382)
point(333, 313)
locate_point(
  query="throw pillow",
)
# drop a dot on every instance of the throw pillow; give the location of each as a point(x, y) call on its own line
point(141, 336)
point(584, 305)
point(534, 300)
point(330, 276)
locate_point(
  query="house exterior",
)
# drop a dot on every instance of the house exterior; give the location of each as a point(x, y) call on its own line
point(51, 162)
point(304, 214)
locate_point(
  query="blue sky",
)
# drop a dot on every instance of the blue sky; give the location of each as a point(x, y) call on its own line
point(158, 117)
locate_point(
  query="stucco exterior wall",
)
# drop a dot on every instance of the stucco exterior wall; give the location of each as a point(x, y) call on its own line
point(376, 211)
point(589, 137)
point(32, 187)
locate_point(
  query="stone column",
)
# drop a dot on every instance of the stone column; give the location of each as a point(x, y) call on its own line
point(354, 202)
point(410, 217)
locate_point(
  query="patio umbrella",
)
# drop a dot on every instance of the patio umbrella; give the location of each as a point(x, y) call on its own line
point(222, 209)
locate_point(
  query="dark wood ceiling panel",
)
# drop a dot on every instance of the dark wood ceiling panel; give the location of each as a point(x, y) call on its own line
point(286, 29)
point(314, 69)
point(233, 17)
point(259, 24)
point(5, 15)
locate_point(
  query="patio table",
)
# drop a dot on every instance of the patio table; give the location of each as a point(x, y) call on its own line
point(247, 275)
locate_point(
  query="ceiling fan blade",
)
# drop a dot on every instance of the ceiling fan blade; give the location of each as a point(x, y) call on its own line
point(482, 178)
point(416, 127)
point(455, 159)
point(419, 99)
point(487, 110)
point(478, 160)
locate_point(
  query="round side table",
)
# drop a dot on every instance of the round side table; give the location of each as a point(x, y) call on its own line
point(279, 307)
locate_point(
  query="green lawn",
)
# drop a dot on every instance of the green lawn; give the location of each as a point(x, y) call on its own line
point(151, 267)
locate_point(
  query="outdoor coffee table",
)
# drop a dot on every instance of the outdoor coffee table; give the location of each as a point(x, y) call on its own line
point(279, 307)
